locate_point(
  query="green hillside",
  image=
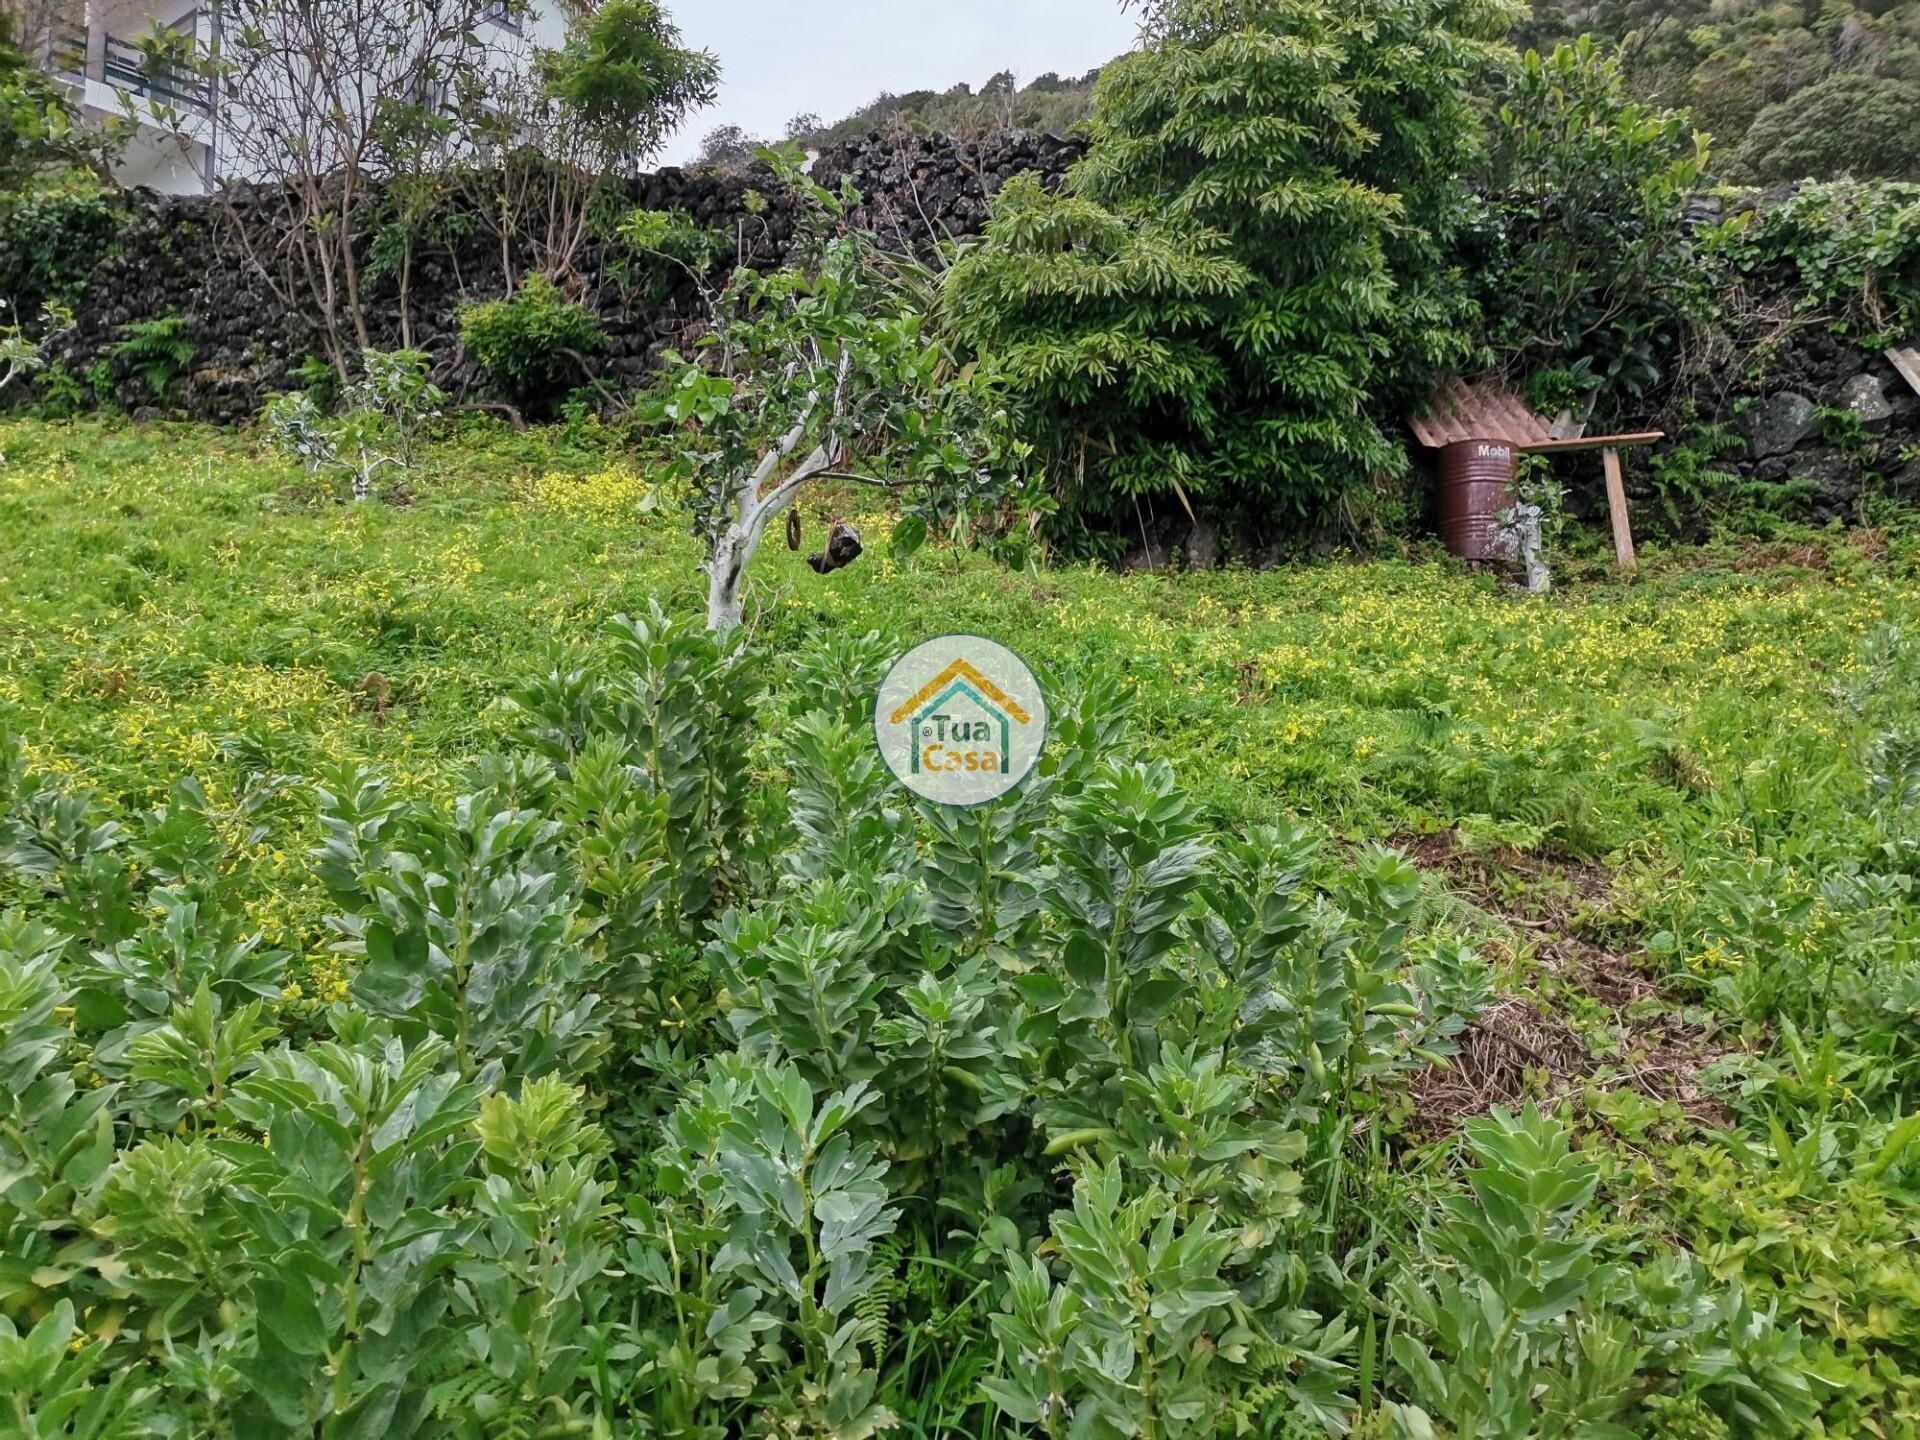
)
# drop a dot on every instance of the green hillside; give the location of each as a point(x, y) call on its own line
point(1786, 90)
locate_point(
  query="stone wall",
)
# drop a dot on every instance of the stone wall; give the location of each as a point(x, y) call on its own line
point(1793, 425)
point(181, 256)
point(1816, 421)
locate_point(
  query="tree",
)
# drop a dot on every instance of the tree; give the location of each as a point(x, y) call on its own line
point(1579, 255)
point(627, 82)
point(38, 130)
point(383, 416)
point(1856, 125)
point(552, 138)
point(1309, 152)
point(21, 354)
point(316, 91)
point(727, 146)
point(829, 369)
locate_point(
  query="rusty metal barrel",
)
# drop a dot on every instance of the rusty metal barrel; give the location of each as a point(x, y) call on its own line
point(1476, 484)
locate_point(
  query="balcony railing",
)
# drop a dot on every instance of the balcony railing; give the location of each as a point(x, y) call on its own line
point(69, 50)
point(63, 50)
point(125, 65)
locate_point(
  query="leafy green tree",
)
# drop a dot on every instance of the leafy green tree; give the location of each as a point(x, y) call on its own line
point(552, 140)
point(1579, 252)
point(728, 147)
point(808, 367)
point(38, 130)
point(627, 79)
point(1858, 125)
point(1279, 180)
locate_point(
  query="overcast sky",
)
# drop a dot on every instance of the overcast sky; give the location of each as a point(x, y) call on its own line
point(781, 57)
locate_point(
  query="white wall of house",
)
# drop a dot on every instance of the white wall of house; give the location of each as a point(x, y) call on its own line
point(176, 147)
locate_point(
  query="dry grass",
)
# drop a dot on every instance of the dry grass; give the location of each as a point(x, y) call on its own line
point(1591, 1022)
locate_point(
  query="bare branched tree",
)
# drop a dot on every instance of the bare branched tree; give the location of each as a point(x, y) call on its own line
point(314, 94)
point(549, 137)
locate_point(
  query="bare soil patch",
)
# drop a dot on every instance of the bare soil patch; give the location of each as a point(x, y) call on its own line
point(1528, 1046)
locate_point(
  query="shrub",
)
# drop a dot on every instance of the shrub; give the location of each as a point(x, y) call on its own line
point(532, 344)
point(1281, 180)
point(1580, 260)
point(1847, 252)
point(52, 234)
point(383, 415)
point(23, 354)
point(157, 353)
point(674, 1073)
point(38, 129)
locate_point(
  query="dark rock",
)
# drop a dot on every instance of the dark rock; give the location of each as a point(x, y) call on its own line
point(1775, 425)
point(1203, 545)
point(179, 256)
point(1836, 480)
point(1865, 396)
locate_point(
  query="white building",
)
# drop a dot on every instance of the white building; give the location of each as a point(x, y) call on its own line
point(95, 47)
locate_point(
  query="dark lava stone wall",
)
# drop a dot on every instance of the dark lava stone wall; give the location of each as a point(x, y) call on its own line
point(178, 256)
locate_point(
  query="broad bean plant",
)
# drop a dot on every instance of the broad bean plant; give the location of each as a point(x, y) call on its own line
point(685, 1077)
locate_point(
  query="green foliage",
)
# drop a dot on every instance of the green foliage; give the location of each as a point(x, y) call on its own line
point(791, 1106)
point(38, 129)
point(1731, 65)
point(52, 234)
point(654, 773)
point(1691, 480)
point(384, 414)
point(463, 926)
point(158, 353)
point(1049, 103)
point(1578, 253)
point(1261, 221)
point(1857, 125)
point(836, 354)
point(1852, 252)
point(624, 73)
point(669, 248)
point(23, 354)
point(532, 343)
point(1521, 1329)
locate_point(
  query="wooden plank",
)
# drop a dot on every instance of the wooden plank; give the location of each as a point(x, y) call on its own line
point(1906, 359)
point(1591, 442)
point(1617, 508)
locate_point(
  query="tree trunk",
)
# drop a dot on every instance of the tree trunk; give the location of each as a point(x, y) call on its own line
point(753, 512)
point(406, 295)
point(726, 577)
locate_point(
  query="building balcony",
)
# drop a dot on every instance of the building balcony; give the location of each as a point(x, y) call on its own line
point(91, 57)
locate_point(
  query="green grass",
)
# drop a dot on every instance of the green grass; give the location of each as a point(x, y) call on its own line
point(163, 595)
point(179, 604)
point(1661, 767)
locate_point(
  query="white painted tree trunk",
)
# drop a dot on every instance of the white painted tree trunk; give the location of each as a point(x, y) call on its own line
point(752, 512)
point(753, 506)
point(725, 573)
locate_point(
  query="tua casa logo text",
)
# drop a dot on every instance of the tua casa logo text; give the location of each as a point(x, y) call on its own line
point(960, 720)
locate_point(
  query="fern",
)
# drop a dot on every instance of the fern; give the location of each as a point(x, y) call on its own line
point(157, 352)
point(874, 1310)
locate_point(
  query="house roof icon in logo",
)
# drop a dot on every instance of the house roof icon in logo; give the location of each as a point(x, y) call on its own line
point(961, 680)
